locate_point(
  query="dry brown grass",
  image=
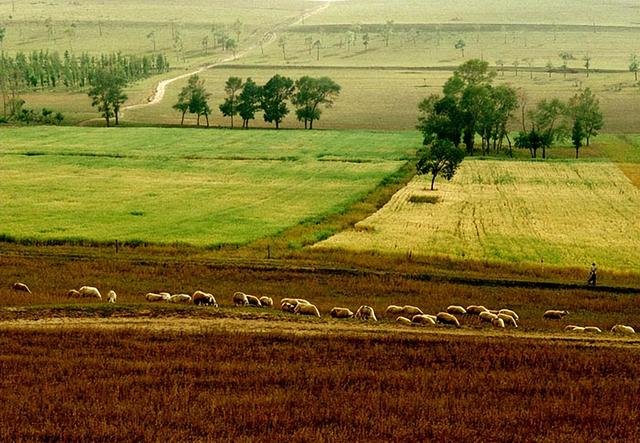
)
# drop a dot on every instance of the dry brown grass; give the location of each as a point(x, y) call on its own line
point(81, 385)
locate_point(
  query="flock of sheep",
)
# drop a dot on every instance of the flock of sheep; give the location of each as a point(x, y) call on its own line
point(406, 315)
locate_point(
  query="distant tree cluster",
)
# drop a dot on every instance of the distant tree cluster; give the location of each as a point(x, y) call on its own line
point(245, 98)
point(43, 69)
point(28, 116)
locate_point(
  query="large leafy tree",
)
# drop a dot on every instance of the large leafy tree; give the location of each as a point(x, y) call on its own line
point(275, 93)
point(549, 119)
point(311, 94)
point(585, 107)
point(249, 101)
point(443, 158)
point(107, 94)
point(193, 98)
point(230, 106)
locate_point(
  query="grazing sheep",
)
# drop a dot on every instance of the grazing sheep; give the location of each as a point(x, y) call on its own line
point(447, 319)
point(180, 298)
point(622, 329)
point(90, 291)
point(475, 309)
point(365, 312)
point(410, 311)
point(111, 296)
point(498, 323)
point(341, 313)
point(267, 302)
point(152, 297)
point(294, 301)
point(510, 313)
point(456, 310)
point(306, 309)
point(288, 307)
point(508, 320)
point(592, 329)
point(73, 293)
point(253, 301)
point(553, 314)
point(166, 295)
point(240, 299)
point(403, 320)
point(487, 316)
point(204, 298)
point(393, 310)
point(424, 319)
point(575, 329)
point(20, 287)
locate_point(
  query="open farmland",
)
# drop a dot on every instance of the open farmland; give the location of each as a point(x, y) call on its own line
point(552, 213)
point(300, 387)
point(172, 185)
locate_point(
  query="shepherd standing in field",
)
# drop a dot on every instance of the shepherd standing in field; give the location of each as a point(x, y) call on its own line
point(592, 275)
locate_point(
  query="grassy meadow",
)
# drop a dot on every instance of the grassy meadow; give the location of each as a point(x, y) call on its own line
point(551, 213)
point(173, 185)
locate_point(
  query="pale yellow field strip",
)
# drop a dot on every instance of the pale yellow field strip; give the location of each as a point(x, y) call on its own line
point(555, 213)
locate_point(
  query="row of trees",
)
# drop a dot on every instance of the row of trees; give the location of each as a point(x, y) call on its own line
point(471, 106)
point(246, 98)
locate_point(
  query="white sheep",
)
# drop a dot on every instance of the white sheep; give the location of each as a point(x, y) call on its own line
point(365, 312)
point(456, 310)
point(403, 320)
point(410, 311)
point(266, 302)
point(306, 309)
point(553, 314)
point(253, 301)
point(447, 319)
point(622, 329)
point(508, 320)
point(204, 298)
point(73, 293)
point(294, 301)
point(21, 287)
point(180, 298)
point(89, 291)
point(592, 329)
point(288, 307)
point(153, 297)
point(510, 313)
point(111, 296)
point(424, 319)
point(475, 309)
point(573, 328)
point(341, 313)
point(487, 316)
point(240, 299)
point(393, 310)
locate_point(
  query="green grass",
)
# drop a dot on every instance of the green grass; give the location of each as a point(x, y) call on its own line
point(176, 185)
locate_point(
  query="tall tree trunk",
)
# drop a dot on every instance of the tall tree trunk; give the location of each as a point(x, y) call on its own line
point(277, 124)
point(207, 117)
point(231, 121)
point(587, 139)
point(577, 148)
point(433, 180)
point(198, 120)
point(311, 124)
point(115, 113)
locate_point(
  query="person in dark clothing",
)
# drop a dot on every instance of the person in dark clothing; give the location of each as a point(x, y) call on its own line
point(592, 275)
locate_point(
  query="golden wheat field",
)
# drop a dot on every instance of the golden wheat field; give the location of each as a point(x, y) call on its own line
point(555, 213)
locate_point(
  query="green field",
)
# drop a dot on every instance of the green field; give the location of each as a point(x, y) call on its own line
point(563, 213)
point(173, 185)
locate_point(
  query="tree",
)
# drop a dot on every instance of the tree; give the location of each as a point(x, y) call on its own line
point(443, 158)
point(273, 101)
point(282, 43)
point(152, 36)
point(565, 57)
point(106, 93)
point(577, 134)
point(308, 40)
point(634, 65)
point(249, 101)
point(365, 41)
point(3, 32)
point(230, 106)
point(317, 44)
point(193, 98)
point(516, 63)
point(500, 63)
point(460, 44)
point(585, 107)
point(549, 67)
point(388, 30)
point(311, 93)
point(549, 121)
point(205, 44)
point(587, 63)
point(232, 45)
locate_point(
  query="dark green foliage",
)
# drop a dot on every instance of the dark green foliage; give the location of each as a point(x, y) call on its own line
point(310, 94)
point(249, 101)
point(193, 98)
point(443, 158)
point(274, 95)
point(577, 134)
point(230, 106)
point(586, 108)
point(106, 93)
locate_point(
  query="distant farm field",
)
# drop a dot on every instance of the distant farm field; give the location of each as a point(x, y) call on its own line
point(172, 185)
point(550, 213)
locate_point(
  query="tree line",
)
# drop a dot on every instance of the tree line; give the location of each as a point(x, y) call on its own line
point(50, 70)
point(245, 98)
point(471, 106)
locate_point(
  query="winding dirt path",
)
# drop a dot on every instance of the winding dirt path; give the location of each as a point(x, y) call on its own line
point(268, 38)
